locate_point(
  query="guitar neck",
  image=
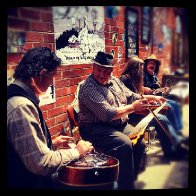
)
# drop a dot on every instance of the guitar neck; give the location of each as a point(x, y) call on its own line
point(145, 121)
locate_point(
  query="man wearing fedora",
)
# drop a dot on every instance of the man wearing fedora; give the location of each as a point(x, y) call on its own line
point(104, 104)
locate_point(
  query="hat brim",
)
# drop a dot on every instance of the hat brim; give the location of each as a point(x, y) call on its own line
point(157, 61)
point(111, 65)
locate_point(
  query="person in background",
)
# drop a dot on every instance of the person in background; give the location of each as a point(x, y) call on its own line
point(104, 105)
point(33, 162)
point(151, 70)
point(132, 77)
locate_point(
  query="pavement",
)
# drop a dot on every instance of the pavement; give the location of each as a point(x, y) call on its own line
point(162, 173)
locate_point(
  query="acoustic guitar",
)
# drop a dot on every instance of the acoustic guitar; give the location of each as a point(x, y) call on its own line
point(91, 170)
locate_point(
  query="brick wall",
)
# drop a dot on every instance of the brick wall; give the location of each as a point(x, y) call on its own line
point(38, 26)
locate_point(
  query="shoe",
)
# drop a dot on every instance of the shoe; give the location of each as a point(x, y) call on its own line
point(182, 148)
point(185, 140)
point(181, 153)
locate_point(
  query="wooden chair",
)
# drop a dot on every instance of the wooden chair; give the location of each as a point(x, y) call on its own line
point(73, 119)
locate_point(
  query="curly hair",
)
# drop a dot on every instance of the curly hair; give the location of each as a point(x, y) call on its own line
point(34, 61)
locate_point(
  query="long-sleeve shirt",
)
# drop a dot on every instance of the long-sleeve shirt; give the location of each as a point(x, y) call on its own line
point(99, 103)
point(26, 135)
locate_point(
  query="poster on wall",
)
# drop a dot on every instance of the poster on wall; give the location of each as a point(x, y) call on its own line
point(131, 32)
point(79, 33)
point(146, 24)
point(49, 96)
point(15, 42)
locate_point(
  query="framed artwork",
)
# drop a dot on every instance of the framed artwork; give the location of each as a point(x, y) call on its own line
point(79, 33)
point(146, 25)
point(131, 31)
point(16, 42)
point(49, 96)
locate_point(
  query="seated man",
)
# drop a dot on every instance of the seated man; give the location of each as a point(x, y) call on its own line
point(104, 104)
point(151, 70)
point(33, 158)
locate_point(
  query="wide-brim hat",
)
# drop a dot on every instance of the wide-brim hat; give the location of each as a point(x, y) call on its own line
point(104, 59)
point(153, 57)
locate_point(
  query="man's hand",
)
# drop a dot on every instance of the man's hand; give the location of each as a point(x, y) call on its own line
point(61, 140)
point(84, 147)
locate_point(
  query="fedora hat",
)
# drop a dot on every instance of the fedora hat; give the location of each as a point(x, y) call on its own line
point(104, 59)
point(153, 57)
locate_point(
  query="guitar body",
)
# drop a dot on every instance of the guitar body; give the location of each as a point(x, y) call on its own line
point(91, 170)
point(137, 135)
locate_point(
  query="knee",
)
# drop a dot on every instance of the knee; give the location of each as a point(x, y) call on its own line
point(121, 150)
point(162, 117)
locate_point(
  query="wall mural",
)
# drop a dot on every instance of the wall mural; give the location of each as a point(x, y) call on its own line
point(79, 33)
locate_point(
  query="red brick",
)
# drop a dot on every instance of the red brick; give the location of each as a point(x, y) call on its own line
point(14, 58)
point(55, 112)
point(47, 107)
point(56, 129)
point(28, 45)
point(45, 114)
point(61, 118)
point(34, 37)
point(108, 35)
point(108, 42)
point(42, 44)
point(59, 92)
point(28, 13)
point(49, 38)
point(62, 83)
point(73, 89)
point(61, 101)
point(46, 17)
point(86, 71)
point(40, 26)
point(50, 122)
point(108, 28)
point(119, 24)
point(121, 30)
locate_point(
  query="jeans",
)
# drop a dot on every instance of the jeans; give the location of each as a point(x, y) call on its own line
point(174, 115)
point(168, 137)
